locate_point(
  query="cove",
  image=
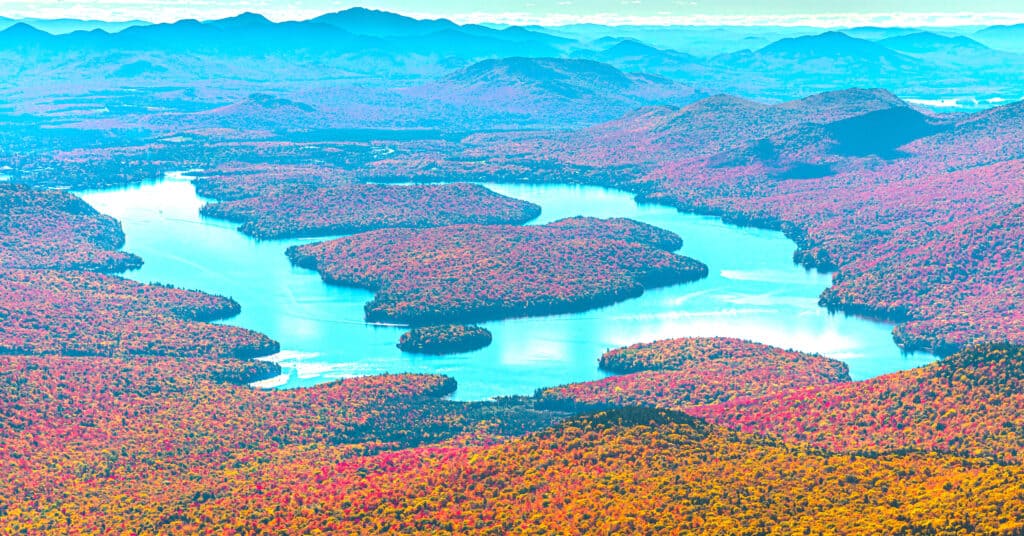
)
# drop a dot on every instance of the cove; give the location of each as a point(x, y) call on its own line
point(754, 291)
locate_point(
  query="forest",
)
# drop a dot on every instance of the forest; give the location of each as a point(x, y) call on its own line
point(447, 339)
point(682, 373)
point(53, 229)
point(285, 212)
point(360, 144)
point(469, 273)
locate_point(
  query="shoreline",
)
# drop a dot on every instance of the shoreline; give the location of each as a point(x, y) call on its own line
point(884, 364)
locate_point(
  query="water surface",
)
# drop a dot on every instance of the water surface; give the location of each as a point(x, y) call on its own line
point(754, 291)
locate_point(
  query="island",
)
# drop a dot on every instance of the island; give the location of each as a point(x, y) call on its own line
point(446, 339)
point(469, 273)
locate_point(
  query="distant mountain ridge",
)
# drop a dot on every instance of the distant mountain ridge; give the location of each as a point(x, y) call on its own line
point(355, 29)
point(63, 26)
point(362, 48)
point(571, 90)
point(924, 42)
point(834, 46)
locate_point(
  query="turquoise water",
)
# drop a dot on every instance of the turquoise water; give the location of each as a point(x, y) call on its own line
point(754, 291)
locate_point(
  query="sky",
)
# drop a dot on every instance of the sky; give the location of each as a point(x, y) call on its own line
point(823, 13)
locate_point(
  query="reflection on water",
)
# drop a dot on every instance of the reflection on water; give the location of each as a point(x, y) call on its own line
point(754, 291)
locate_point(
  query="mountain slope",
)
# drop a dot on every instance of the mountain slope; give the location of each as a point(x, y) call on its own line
point(362, 21)
point(1008, 37)
point(929, 42)
point(549, 91)
point(635, 56)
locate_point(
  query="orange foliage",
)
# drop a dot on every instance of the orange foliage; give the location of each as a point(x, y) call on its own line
point(82, 313)
point(474, 272)
point(297, 210)
point(104, 444)
point(972, 402)
point(678, 373)
point(55, 229)
point(623, 472)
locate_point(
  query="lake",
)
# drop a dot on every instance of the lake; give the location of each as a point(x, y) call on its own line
point(754, 291)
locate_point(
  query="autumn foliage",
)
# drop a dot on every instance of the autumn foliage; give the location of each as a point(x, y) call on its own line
point(475, 272)
point(970, 403)
point(295, 210)
point(680, 373)
point(446, 339)
point(919, 214)
point(95, 444)
point(632, 471)
point(125, 410)
point(82, 313)
point(55, 229)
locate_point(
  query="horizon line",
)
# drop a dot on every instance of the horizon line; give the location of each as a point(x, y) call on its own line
point(821, 20)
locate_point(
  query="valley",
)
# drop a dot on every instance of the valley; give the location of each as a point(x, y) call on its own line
point(662, 269)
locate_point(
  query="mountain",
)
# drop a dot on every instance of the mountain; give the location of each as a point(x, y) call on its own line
point(441, 35)
point(733, 131)
point(63, 26)
point(517, 34)
point(566, 78)
point(246, 20)
point(816, 136)
point(838, 105)
point(393, 43)
point(697, 40)
point(929, 42)
point(876, 33)
point(362, 21)
point(246, 35)
point(835, 47)
point(23, 36)
point(797, 66)
point(550, 91)
point(1009, 38)
point(635, 56)
point(257, 112)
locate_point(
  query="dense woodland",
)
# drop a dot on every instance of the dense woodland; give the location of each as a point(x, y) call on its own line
point(921, 225)
point(158, 433)
point(682, 373)
point(125, 408)
point(468, 273)
point(446, 339)
point(53, 229)
point(291, 211)
point(81, 313)
point(968, 403)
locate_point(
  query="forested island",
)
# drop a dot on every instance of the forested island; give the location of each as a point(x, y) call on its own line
point(472, 273)
point(446, 339)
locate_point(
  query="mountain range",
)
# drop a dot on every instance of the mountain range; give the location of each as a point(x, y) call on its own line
point(384, 59)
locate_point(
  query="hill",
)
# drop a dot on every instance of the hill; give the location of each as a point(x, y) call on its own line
point(1003, 37)
point(549, 91)
point(828, 54)
point(929, 42)
point(634, 56)
point(969, 403)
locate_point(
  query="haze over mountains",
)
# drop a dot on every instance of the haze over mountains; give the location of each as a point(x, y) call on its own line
point(364, 69)
point(851, 192)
